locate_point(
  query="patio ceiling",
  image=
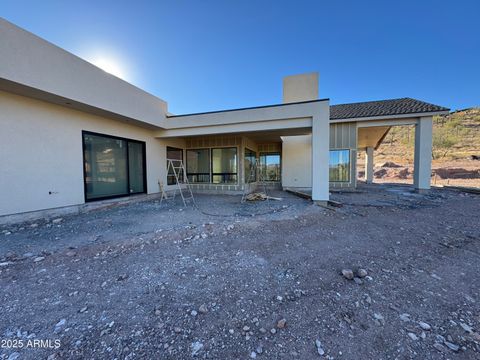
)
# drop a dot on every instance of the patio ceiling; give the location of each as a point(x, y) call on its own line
point(371, 136)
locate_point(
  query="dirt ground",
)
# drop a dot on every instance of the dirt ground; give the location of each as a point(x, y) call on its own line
point(465, 173)
point(157, 281)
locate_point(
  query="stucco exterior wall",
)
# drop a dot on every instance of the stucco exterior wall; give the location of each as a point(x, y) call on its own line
point(297, 161)
point(41, 152)
point(297, 156)
point(301, 87)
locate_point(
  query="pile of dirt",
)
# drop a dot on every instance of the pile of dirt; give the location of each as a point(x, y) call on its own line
point(397, 172)
point(457, 173)
point(406, 172)
point(390, 164)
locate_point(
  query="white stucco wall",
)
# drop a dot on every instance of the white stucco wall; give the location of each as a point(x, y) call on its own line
point(297, 161)
point(41, 151)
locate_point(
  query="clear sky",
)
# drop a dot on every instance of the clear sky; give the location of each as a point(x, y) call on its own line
point(203, 55)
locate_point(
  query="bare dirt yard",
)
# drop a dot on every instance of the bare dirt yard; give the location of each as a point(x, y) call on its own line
point(464, 173)
point(158, 281)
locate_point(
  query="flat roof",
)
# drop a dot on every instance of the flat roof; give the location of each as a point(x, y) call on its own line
point(354, 110)
point(249, 108)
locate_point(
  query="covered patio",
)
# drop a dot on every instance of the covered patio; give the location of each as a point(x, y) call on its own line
point(295, 146)
point(221, 148)
point(362, 127)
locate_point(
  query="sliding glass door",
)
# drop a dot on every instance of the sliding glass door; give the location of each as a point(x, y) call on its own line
point(113, 166)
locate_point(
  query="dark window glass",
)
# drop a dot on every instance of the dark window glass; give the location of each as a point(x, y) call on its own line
point(224, 166)
point(250, 166)
point(198, 166)
point(175, 155)
point(339, 166)
point(270, 166)
point(136, 164)
point(113, 166)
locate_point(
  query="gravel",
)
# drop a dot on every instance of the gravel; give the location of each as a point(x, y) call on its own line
point(140, 281)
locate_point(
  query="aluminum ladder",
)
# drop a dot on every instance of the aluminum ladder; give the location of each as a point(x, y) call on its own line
point(178, 169)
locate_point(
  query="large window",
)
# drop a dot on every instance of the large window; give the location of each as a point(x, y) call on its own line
point(176, 155)
point(224, 166)
point(136, 166)
point(270, 166)
point(250, 166)
point(113, 166)
point(339, 165)
point(198, 166)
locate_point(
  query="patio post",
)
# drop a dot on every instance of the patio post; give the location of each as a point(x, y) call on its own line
point(320, 157)
point(422, 171)
point(369, 165)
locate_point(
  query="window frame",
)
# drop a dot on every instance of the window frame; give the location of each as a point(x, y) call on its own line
point(166, 158)
point(212, 174)
point(197, 174)
point(349, 167)
point(264, 175)
point(127, 140)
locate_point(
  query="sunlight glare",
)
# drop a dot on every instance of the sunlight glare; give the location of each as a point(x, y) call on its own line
point(110, 66)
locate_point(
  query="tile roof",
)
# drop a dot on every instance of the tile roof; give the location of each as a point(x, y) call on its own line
point(382, 108)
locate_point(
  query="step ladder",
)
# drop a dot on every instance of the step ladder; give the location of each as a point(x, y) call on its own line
point(256, 177)
point(181, 180)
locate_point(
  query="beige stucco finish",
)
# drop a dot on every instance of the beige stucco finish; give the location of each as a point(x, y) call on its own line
point(41, 152)
point(301, 87)
point(369, 164)
point(423, 153)
point(297, 161)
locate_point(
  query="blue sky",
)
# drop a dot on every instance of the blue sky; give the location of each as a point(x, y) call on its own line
point(208, 55)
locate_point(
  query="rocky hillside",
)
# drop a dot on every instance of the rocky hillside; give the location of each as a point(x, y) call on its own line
point(456, 151)
point(455, 137)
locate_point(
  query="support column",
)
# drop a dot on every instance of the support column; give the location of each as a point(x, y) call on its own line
point(321, 155)
point(369, 165)
point(423, 153)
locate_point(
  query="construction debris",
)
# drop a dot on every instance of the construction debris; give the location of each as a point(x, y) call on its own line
point(301, 194)
point(255, 181)
point(260, 197)
point(335, 203)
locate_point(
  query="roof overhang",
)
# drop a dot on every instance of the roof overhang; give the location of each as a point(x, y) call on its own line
point(285, 119)
point(394, 119)
point(31, 66)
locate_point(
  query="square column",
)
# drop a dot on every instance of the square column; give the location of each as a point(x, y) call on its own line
point(320, 156)
point(423, 153)
point(369, 165)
